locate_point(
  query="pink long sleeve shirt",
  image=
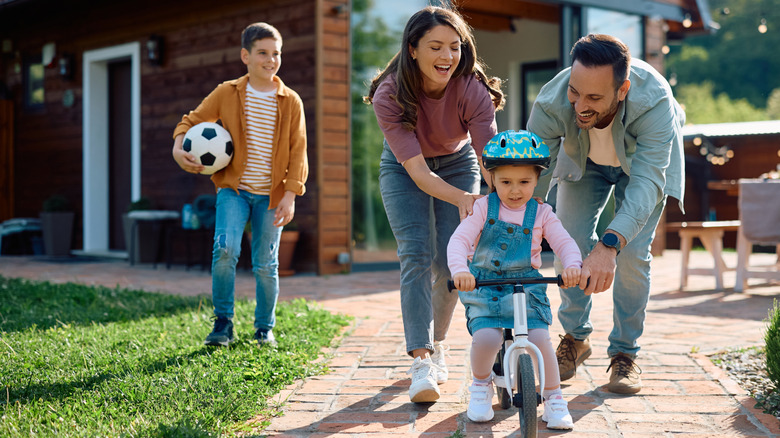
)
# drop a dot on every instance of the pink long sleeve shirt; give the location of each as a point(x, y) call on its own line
point(547, 225)
point(444, 125)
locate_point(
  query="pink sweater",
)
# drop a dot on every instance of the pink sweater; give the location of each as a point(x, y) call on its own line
point(547, 225)
point(443, 125)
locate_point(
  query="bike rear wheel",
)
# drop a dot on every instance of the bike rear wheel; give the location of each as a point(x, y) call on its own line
point(526, 398)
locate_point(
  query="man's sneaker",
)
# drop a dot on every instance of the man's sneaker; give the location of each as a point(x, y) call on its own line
point(222, 334)
point(265, 337)
point(481, 403)
point(571, 353)
point(439, 351)
point(625, 375)
point(556, 413)
point(423, 388)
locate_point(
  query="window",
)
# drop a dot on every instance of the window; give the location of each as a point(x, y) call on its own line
point(535, 75)
point(628, 28)
point(33, 83)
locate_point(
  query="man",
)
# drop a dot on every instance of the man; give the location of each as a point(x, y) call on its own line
point(620, 129)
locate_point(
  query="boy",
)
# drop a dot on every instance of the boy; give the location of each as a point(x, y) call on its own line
point(269, 168)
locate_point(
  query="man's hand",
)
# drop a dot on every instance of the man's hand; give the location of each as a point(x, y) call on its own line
point(464, 281)
point(599, 268)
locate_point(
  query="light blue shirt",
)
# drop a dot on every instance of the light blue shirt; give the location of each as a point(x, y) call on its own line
point(648, 142)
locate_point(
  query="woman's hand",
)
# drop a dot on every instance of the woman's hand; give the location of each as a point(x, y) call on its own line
point(431, 184)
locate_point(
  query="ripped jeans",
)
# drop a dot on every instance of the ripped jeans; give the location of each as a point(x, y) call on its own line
point(234, 210)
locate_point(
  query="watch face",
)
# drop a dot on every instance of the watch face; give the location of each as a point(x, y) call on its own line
point(610, 240)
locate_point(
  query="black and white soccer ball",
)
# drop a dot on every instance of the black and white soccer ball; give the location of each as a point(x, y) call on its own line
point(211, 145)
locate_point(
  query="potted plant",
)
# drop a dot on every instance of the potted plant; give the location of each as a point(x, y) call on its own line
point(57, 226)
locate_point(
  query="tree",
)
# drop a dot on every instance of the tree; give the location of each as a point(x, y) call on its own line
point(702, 106)
point(773, 105)
point(373, 44)
point(737, 60)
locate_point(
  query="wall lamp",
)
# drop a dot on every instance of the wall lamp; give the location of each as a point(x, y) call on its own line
point(65, 66)
point(154, 50)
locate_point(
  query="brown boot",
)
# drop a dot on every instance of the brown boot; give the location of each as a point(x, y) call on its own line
point(571, 353)
point(625, 375)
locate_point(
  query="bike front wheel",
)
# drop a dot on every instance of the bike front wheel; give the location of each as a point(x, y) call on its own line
point(498, 368)
point(526, 398)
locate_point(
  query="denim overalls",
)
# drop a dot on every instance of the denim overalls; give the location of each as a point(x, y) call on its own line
point(504, 250)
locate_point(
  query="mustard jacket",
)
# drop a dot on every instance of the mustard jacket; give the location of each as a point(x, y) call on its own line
point(289, 168)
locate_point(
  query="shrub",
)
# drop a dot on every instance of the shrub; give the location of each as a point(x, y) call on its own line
point(772, 339)
point(56, 203)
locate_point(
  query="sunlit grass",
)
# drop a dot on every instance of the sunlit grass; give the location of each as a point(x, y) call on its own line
point(81, 361)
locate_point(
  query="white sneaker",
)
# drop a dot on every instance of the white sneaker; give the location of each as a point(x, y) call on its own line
point(423, 388)
point(556, 414)
point(481, 403)
point(439, 351)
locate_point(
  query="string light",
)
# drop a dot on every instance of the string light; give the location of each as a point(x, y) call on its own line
point(762, 25)
point(687, 21)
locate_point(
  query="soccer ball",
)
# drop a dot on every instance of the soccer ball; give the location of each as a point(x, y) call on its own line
point(211, 145)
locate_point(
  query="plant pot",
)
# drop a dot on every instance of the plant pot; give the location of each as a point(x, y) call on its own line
point(57, 230)
point(287, 245)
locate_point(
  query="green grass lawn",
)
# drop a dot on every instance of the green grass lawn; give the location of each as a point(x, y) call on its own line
point(78, 361)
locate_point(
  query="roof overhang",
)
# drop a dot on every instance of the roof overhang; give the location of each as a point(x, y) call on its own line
point(735, 129)
point(675, 12)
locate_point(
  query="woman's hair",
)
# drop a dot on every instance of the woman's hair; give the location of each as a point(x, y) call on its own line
point(258, 31)
point(596, 50)
point(408, 77)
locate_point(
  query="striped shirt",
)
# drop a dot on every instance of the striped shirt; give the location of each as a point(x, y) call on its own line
point(260, 125)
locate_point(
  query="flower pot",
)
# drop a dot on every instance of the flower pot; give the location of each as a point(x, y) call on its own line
point(287, 252)
point(57, 230)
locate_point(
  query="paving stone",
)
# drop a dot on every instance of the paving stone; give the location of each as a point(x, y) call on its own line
point(365, 394)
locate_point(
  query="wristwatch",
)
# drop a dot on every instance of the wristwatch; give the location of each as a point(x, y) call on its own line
point(611, 240)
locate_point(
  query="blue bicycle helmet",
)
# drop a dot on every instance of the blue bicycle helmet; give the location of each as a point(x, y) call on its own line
point(515, 147)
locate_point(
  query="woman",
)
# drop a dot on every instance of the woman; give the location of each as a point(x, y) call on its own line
point(436, 108)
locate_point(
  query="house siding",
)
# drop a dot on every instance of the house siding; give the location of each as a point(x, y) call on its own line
point(201, 48)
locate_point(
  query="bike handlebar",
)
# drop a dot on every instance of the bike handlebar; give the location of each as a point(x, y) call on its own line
point(512, 281)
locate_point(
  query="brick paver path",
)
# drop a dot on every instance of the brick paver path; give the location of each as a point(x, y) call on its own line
point(365, 395)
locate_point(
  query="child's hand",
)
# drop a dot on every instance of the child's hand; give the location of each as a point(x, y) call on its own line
point(464, 281)
point(184, 159)
point(571, 277)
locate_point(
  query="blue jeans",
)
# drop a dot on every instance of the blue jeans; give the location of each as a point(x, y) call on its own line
point(422, 226)
point(234, 210)
point(579, 205)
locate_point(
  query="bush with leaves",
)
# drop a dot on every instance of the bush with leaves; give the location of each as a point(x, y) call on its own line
point(772, 339)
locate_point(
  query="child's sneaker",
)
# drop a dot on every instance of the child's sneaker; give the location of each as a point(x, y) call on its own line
point(439, 351)
point(423, 388)
point(222, 334)
point(481, 403)
point(556, 413)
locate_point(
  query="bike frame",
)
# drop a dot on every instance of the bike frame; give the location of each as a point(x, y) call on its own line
point(520, 342)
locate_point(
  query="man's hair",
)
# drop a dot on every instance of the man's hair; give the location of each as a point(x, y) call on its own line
point(596, 50)
point(258, 31)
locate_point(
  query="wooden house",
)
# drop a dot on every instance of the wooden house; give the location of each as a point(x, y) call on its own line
point(90, 93)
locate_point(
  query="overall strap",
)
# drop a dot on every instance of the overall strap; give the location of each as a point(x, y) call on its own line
point(530, 216)
point(493, 206)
